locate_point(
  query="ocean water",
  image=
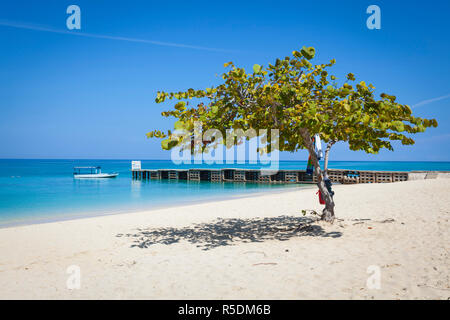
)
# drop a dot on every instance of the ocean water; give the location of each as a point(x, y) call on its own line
point(34, 191)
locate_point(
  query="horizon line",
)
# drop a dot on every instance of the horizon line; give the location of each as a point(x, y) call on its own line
point(141, 159)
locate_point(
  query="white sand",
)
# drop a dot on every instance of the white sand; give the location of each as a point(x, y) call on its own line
point(324, 261)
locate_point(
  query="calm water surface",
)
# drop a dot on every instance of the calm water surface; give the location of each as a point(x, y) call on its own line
point(41, 190)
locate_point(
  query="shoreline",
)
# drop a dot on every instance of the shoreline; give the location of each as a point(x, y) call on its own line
point(245, 248)
point(107, 212)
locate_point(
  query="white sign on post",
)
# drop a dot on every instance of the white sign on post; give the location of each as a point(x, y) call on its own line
point(135, 165)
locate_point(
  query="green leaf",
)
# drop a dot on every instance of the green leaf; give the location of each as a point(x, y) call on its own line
point(296, 54)
point(180, 106)
point(307, 64)
point(421, 128)
point(398, 126)
point(308, 53)
point(256, 68)
point(179, 125)
point(168, 144)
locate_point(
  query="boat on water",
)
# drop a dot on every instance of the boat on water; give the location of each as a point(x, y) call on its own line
point(91, 172)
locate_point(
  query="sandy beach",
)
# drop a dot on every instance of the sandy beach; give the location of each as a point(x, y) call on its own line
point(260, 247)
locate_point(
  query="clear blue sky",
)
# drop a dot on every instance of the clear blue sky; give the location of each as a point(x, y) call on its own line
point(68, 96)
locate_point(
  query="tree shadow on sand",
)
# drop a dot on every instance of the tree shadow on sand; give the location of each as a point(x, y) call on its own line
point(225, 232)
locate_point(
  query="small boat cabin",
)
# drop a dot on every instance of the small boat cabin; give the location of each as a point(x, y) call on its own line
point(87, 170)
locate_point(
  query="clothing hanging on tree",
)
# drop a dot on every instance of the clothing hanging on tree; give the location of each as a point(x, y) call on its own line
point(309, 167)
point(328, 184)
point(319, 154)
point(318, 147)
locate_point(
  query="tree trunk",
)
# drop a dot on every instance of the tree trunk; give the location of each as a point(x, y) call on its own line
point(328, 211)
point(327, 153)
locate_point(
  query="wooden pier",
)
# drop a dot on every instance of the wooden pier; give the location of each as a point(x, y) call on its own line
point(266, 176)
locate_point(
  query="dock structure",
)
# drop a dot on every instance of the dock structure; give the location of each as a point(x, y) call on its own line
point(266, 176)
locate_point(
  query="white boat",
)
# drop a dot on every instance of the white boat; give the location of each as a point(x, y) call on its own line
point(91, 173)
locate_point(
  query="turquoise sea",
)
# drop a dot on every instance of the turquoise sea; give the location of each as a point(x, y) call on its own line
point(33, 191)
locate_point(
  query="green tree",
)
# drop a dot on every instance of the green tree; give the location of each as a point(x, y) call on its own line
point(301, 100)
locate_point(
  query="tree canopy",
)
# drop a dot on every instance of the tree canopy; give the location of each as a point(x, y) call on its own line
point(292, 94)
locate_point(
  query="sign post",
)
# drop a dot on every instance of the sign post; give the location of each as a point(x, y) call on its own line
point(135, 165)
